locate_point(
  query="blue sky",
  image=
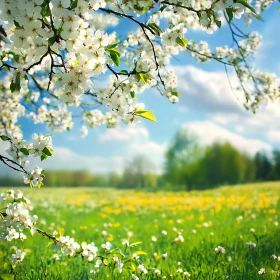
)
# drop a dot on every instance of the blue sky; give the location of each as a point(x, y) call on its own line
point(207, 106)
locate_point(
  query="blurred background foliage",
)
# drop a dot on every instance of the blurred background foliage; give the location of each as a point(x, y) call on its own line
point(188, 166)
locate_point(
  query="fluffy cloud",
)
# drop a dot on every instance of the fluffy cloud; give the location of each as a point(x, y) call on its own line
point(136, 140)
point(211, 94)
point(209, 132)
point(64, 158)
point(125, 134)
point(132, 141)
point(209, 91)
point(274, 136)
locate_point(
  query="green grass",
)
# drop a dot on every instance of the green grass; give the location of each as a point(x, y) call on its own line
point(206, 220)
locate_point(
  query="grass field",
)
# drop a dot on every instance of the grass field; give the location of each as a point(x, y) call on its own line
point(186, 226)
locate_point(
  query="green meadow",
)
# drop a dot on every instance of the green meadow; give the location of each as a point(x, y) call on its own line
point(173, 234)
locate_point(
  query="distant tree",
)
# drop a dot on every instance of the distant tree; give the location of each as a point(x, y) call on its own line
point(224, 164)
point(114, 179)
point(275, 169)
point(195, 167)
point(184, 149)
point(138, 173)
point(263, 166)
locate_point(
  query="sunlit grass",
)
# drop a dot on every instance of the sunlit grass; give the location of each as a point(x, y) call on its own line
point(227, 216)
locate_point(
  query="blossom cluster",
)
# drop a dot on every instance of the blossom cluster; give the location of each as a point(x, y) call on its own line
point(20, 150)
point(16, 219)
point(54, 51)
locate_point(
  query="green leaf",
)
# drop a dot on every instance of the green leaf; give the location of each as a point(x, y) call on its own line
point(133, 95)
point(124, 72)
point(15, 85)
point(74, 4)
point(47, 151)
point(113, 46)
point(218, 22)
point(4, 137)
point(115, 51)
point(135, 244)
point(45, 12)
point(139, 8)
point(175, 93)
point(7, 276)
point(48, 135)
point(43, 156)
point(142, 76)
point(18, 26)
point(51, 40)
point(162, 8)
point(12, 86)
point(229, 13)
point(180, 42)
point(155, 28)
point(258, 17)
point(115, 58)
point(106, 262)
point(24, 151)
point(146, 115)
point(244, 3)
point(139, 253)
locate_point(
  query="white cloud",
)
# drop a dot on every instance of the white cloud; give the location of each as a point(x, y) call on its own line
point(209, 91)
point(136, 140)
point(209, 132)
point(211, 94)
point(133, 140)
point(133, 132)
point(274, 136)
point(64, 158)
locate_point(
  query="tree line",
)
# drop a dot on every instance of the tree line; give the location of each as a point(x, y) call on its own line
point(195, 167)
point(188, 165)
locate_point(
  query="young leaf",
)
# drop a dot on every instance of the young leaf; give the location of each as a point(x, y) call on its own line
point(24, 151)
point(229, 13)
point(51, 40)
point(132, 94)
point(139, 253)
point(43, 156)
point(74, 4)
point(115, 58)
point(125, 72)
point(162, 8)
point(47, 151)
point(135, 244)
point(146, 115)
point(106, 262)
point(113, 46)
point(180, 42)
point(218, 22)
point(155, 28)
point(4, 137)
point(12, 86)
point(244, 3)
point(17, 82)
